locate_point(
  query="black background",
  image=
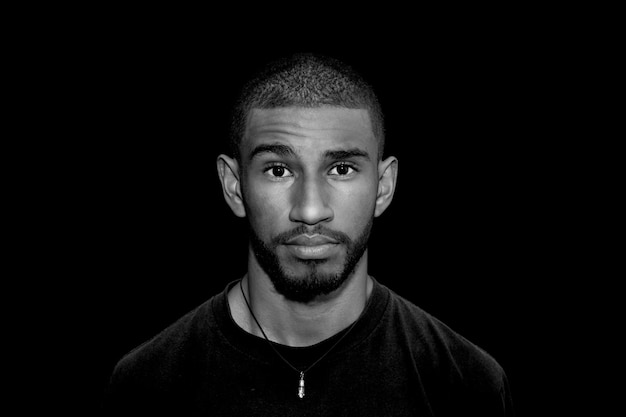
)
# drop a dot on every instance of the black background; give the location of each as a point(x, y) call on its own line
point(478, 233)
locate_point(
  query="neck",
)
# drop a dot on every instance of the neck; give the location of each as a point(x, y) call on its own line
point(299, 324)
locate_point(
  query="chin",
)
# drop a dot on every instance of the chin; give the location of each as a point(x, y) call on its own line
point(306, 268)
point(310, 280)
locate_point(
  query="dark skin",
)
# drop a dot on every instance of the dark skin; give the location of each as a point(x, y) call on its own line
point(305, 169)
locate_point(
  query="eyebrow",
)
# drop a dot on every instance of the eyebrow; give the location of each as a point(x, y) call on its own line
point(275, 148)
point(346, 154)
point(285, 150)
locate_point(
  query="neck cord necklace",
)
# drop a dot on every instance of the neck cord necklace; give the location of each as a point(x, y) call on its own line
point(300, 372)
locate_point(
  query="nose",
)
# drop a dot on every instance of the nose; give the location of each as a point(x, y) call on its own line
point(310, 202)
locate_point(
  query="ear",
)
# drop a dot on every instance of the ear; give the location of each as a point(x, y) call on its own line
point(387, 175)
point(228, 171)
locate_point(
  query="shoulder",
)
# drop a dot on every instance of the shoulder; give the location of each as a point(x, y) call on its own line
point(154, 375)
point(457, 375)
point(168, 349)
point(435, 343)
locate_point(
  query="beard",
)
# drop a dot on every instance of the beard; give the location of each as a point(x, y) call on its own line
point(316, 277)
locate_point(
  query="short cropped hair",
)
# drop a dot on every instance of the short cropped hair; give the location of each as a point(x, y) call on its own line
point(306, 80)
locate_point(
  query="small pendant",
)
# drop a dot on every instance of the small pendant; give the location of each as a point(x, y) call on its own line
point(301, 386)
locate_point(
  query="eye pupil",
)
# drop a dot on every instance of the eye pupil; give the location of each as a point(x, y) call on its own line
point(342, 169)
point(278, 171)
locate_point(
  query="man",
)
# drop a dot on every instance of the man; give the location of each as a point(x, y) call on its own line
point(307, 332)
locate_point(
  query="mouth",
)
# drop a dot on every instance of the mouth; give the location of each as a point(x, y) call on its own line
point(312, 246)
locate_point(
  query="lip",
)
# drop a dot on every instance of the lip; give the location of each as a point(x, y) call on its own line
point(311, 247)
point(311, 240)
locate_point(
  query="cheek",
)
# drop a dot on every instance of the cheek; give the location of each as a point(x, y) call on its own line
point(264, 208)
point(356, 207)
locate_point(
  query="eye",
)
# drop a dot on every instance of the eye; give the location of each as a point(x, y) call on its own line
point(278, 171)
point(342, 169)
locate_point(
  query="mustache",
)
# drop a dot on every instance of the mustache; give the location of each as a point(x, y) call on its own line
point(284, 237)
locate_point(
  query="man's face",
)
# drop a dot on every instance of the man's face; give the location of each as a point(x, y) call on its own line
point(309, 181)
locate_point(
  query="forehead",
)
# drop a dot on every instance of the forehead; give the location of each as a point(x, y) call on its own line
point(319, 127)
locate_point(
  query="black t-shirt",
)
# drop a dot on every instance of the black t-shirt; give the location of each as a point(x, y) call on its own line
point(396, 361)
